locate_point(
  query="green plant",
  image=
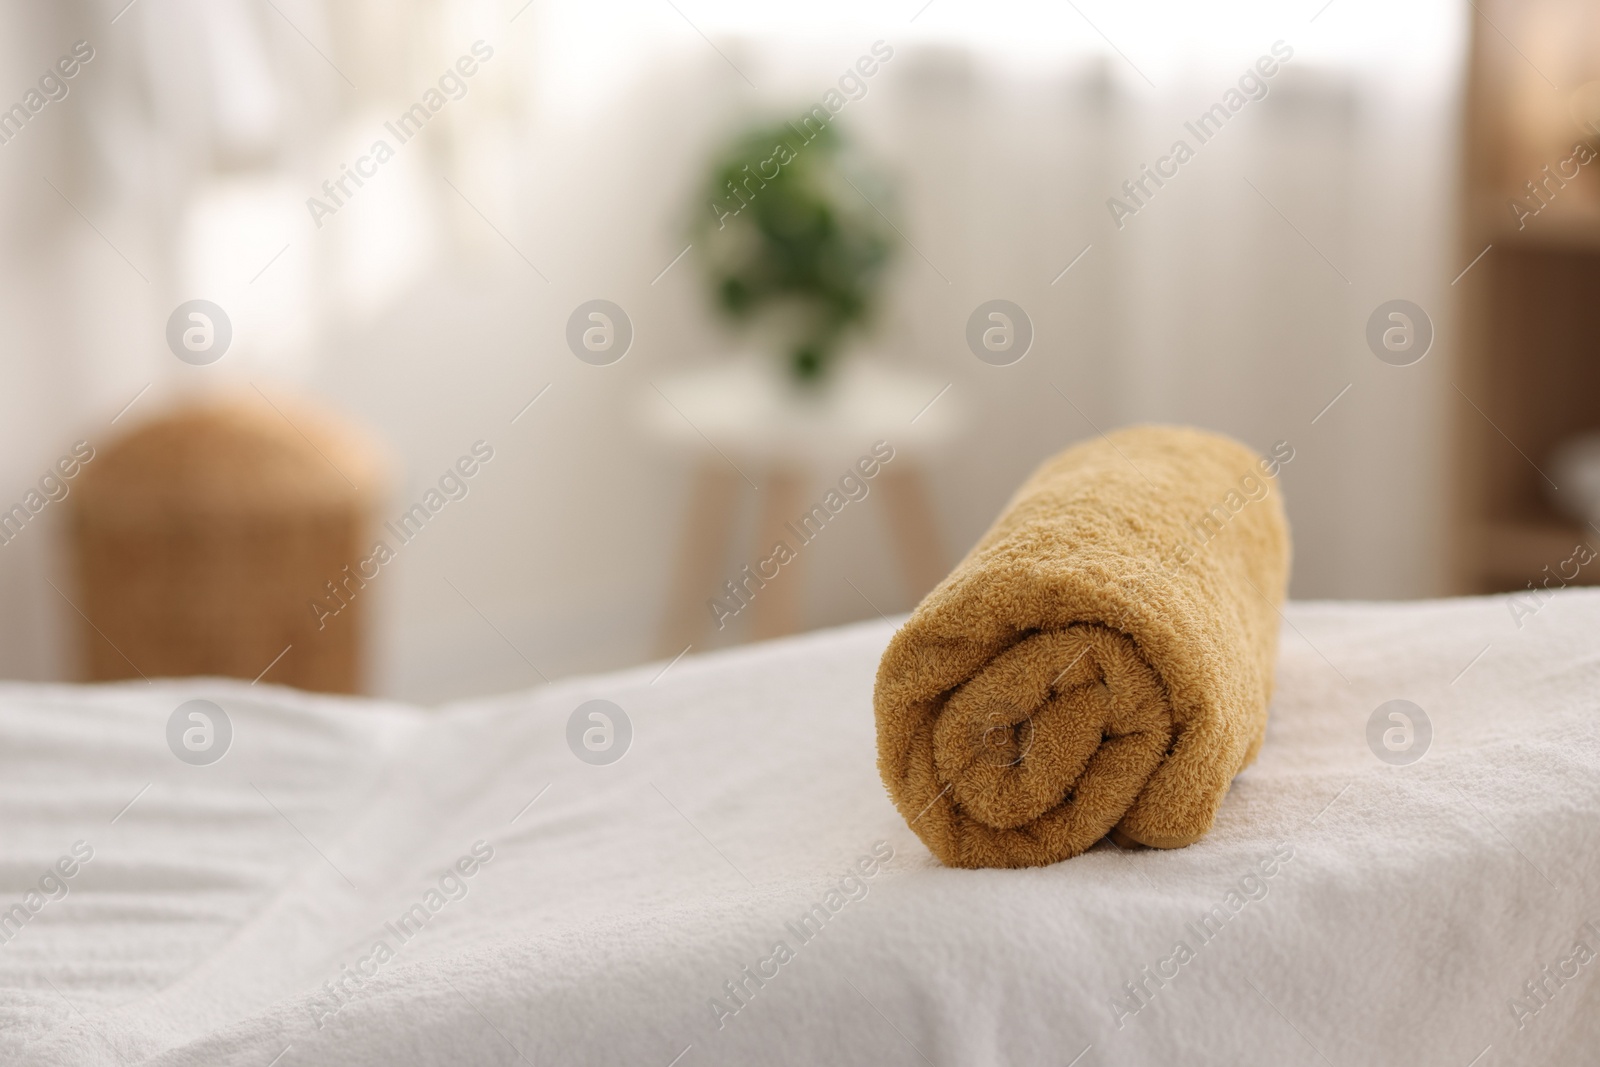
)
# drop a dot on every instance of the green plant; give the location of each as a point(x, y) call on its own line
point(789, 242)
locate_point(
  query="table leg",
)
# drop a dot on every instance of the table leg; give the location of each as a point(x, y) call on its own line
point(915, 530)
point(701, 555)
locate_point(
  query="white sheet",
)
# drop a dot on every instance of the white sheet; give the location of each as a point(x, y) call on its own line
point(1417, 901)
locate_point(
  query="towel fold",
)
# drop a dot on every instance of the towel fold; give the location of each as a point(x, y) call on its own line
point(1100, 662)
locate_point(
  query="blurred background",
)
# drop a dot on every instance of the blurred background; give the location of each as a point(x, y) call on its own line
point(580, 267)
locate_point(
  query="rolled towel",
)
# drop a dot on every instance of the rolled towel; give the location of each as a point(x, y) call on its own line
point(1100, 662)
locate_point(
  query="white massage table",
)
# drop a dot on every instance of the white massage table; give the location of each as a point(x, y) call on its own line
point(1380, 914)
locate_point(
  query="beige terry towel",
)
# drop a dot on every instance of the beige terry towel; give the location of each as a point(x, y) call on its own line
point(1100, 662)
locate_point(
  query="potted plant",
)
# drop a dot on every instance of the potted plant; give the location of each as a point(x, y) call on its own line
point(791, 246)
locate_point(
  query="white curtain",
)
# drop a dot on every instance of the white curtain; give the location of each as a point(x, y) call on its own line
point(1236, 299)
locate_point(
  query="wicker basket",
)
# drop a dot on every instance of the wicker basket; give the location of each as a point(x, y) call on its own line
point(203, 538)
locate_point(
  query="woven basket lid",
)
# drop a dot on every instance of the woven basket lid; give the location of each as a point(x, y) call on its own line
point(240, 454)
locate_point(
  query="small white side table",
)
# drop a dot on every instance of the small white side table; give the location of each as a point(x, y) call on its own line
point(747, 421)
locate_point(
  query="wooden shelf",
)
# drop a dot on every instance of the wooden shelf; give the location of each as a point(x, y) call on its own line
point(1529, 320)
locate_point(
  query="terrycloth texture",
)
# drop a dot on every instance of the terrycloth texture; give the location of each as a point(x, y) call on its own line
point(1414, 908)
point(1102, 657)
